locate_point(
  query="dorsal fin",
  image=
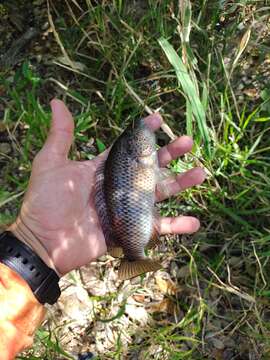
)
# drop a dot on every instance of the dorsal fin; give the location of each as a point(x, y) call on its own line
point(101, 207)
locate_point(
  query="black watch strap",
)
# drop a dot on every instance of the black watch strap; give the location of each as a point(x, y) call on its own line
point(42, 280)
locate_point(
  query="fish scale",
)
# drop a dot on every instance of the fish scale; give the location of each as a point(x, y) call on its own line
point(126, 205)
point(130, 208)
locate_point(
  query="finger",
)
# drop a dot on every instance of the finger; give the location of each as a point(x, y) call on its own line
point(172, 151)
point(60, 136)
point(178, 225)
point(98, 159)
point(174, 185)
point(95, 163)
point(103, 156)
point(153, 121)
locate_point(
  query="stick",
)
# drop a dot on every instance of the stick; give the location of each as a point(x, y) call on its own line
point(164, 126)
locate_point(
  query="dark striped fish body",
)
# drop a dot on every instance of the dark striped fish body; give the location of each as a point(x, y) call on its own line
point(129, 181)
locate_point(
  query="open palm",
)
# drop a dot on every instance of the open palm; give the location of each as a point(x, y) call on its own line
point(58, 218)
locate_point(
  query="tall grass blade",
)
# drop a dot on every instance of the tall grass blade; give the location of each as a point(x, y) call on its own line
point(189, 90)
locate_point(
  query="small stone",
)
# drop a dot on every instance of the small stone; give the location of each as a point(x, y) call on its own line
point(229, 342)
point(45, 26)
point(218, 344)
point(183, 272)
point(174, 269)
point(235, 261)
point(5, 148)
point(240, 86)
point(86, 356)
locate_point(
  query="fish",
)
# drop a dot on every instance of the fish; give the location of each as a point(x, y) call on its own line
point(125, 199)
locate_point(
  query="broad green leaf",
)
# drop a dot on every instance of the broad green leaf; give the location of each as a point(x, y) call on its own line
point(101, 146)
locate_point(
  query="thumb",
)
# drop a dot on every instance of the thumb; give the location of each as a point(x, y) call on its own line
point(60, 136)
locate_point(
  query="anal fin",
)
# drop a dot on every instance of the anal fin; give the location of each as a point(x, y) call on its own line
point(115, 251)
point(155, 240)
point(131, 268)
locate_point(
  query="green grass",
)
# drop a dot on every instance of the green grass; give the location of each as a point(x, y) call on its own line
point(176, 60)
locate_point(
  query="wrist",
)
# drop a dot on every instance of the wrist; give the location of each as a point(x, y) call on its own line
point(23, 233)
point(18, 256)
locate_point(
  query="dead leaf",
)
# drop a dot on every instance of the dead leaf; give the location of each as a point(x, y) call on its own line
point(75, 304)
point(165, 305)
point(242, 46)
point(252, 92)
point(166, 286)
point(218, 354)
point(139, 298)
point(2, 126)
point(137, 313)
point(75, 64)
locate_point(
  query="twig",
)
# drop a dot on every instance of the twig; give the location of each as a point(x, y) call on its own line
point(57, 38)
point(231, 289)
point(164, 126)
point(11, 198)
point(260, 266)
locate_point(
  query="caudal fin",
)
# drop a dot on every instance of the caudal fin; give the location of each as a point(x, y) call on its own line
point(129, 269)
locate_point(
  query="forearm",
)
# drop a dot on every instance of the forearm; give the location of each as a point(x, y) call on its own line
point(20, 313)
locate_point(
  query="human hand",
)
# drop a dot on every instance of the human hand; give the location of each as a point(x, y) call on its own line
point(58, 218)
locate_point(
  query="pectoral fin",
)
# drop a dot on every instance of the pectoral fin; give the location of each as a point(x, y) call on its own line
point(129, 269)
point(163, 173)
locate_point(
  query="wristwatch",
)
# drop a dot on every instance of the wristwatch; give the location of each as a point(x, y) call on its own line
point(43, 281)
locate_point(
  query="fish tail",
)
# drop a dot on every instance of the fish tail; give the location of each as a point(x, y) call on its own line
point(131, 268)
